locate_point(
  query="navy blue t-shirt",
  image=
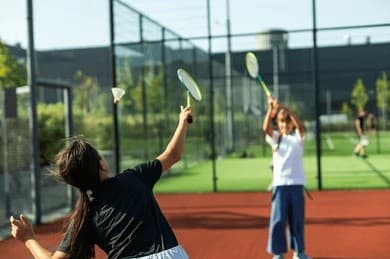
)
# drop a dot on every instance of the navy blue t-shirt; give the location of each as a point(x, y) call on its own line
point(126, 217)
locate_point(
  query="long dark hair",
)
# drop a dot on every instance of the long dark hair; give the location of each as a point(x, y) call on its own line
point(79, 165)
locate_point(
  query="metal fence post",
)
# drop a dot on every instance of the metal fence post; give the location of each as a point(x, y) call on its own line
point(31, 76)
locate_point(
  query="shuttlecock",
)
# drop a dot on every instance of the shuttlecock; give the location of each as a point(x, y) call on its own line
point(117, 93)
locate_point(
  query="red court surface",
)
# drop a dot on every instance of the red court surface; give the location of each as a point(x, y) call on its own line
point(339, 224)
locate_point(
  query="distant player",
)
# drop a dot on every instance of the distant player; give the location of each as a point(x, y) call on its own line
point(359, 149)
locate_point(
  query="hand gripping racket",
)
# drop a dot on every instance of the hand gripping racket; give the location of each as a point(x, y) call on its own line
point(252, 65)
point(192, 88)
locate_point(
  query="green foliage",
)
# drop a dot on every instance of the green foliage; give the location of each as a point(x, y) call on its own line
point(86, 91)
point(100, 130)
point(383, 91)
point(359, 97)
point(51, 130)
point(154, 92)
point(126, 82)
point(346, 109)
point(95, 126)
point(12, 73)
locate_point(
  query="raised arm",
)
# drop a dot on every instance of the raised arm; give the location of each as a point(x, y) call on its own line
point(22, 230)
point(271, 112)
point(175, 147)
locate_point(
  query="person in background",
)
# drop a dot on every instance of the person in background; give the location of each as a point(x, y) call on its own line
point(360, 148)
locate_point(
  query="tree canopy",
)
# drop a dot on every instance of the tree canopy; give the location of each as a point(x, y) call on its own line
point(359, 96)
point(383, 91)
point(12, 72)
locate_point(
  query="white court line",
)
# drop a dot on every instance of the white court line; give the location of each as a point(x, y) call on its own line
point(351, 175)
point(369, 173)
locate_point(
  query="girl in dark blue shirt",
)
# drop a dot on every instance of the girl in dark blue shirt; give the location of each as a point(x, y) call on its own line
point(119, 214)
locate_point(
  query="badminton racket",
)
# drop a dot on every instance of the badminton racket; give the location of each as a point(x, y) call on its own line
point(192, 88)
point(252, 66)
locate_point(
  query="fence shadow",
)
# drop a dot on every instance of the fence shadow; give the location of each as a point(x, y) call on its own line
point(364, 221)
point(217, 219)
point(377, 171)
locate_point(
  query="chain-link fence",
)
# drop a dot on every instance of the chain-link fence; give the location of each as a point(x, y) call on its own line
point(55, 125)
point(330, 85)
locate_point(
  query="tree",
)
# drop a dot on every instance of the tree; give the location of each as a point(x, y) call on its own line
point(126, 82)
point(383, 95)
point(345, 109)
point(85, 91)
point(12, 73)
point(383, 91)
point(50, 128)
point(359, 96)
point(154, 91)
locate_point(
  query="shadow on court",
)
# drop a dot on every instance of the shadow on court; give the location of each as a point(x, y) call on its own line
point(218, 219)
point(363, 221)
point(377, 171)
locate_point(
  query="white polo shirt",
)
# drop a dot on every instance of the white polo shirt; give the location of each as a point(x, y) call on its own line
point(287, 159)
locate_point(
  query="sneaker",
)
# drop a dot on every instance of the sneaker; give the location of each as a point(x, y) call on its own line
point(279, 256)
point(301, 255)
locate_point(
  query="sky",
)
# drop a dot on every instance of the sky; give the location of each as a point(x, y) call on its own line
point(84, 23)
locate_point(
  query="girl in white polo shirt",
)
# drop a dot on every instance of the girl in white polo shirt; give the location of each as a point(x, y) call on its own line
point(288, 205)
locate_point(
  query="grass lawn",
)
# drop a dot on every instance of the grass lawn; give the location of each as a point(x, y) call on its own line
point(340, 169)
point(253, 174)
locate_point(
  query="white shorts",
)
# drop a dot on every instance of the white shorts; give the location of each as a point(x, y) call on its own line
point(364, 141)
point(176, 252)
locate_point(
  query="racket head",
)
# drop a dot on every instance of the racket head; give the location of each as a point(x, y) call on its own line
point(189, 83)
point(117, 93)
point(252, 66)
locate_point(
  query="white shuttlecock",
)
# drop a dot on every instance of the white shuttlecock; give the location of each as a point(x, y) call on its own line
point(117, 93)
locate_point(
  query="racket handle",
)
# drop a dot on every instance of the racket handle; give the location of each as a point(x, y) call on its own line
point(189, 117)
point(265, 88)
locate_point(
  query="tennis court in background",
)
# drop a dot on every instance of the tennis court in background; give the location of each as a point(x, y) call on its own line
point(339, 224)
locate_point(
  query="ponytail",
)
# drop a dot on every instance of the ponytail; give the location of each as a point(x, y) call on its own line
point(79, 165)
point(81, 243)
